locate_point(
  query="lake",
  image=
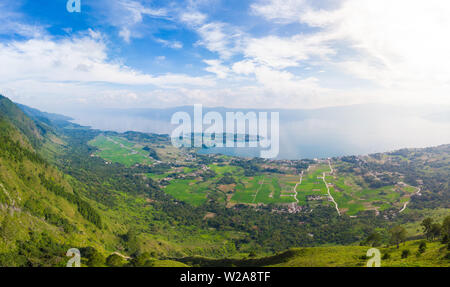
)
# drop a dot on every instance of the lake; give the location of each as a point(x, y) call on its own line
point(320, 133)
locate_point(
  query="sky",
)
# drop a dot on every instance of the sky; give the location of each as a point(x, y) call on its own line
point(244, 54)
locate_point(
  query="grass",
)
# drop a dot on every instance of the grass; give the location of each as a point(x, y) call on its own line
point(336, 256)
point(167, 263)
point(120, 150)
point(220, 170)
point(190, 191)
point(354, 256)
point(414, 228)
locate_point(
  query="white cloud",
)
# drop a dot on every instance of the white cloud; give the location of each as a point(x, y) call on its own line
point(77, 70)
point(216, 67)
point(82, 59)
point(220, 38)
point(281, 53)
point(13, 23)
point(160, 58)
point(170, 44)
point(127, 15)
point(401, 46)
point(245, 67)
point(125, 34)
point(281, 11)
point(382, 50)
point(193, 18)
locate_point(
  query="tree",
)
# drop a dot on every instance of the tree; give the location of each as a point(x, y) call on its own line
point(435, 231)
point(405, 253)
point(93, 257)
point(96, 260)
point(131, 239)
point(114, 260)
point(142, 260)
point(445, 230)
point(398, 235)
point(373, 239)
point(427, 223)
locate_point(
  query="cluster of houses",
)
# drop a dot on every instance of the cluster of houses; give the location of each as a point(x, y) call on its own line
point(294, 208)
point(291, 208)
point(315, 197)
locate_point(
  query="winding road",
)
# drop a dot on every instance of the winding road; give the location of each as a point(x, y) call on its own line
point(328, 189)
point(295, 188)
point(406, 203)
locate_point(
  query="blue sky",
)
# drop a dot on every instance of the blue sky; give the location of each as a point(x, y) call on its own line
point(252, 54)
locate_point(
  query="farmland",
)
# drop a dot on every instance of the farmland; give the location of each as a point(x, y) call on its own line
point(230, 185)
point(119, 150)
point(313, 189)
point(353, 194)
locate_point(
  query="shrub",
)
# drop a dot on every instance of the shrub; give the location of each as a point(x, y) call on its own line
point(114, 260)
point(386, 256)
point(142, 260)
point(405, 253)
point(93, 257)
point(422, 247)
point(252, 254)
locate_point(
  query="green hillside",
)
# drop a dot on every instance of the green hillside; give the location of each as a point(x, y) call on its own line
point(338, 256)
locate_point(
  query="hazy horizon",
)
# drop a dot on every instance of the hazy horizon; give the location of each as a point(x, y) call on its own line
point(318, 133)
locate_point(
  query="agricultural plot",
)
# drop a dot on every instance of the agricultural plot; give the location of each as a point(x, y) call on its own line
point(264, 189)
point(313, 190)
point(247, 189)
point(195, 191)
point(120, 150)
point(287, 184)
point(353, 198)
point(189, 191)
point(221, 170)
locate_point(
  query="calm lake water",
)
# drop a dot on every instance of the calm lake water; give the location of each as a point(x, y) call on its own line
point(308, 133)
